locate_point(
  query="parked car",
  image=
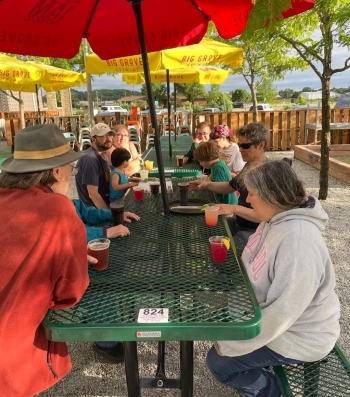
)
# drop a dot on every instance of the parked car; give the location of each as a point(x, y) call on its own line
point(262, 106)
point(114, 109)
point(211, 110)
point(158, 111)
point(238, 105)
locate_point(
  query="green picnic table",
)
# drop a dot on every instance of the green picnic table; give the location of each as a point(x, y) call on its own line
point(4, 154)
point(165, 263)
point(170, 165)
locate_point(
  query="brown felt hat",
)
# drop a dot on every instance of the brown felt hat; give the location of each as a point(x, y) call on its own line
point(38, 148)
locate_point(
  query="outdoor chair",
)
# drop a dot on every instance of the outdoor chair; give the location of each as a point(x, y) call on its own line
point(135, 139)
point(149, 141)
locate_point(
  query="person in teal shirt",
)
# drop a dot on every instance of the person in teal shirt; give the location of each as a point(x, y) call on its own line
point(208, 156)
point(119, 182)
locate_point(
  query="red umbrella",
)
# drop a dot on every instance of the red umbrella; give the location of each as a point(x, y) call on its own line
point(117, 28)
point(54, 28)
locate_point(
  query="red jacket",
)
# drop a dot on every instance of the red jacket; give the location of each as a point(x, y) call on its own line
point(43, 266)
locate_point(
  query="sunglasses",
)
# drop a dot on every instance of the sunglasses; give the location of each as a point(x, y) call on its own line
point(245, 146)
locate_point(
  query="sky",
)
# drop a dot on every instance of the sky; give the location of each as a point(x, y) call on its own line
point(296, 80)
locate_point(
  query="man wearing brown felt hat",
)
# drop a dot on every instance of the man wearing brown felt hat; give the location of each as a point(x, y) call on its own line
point(43, 258)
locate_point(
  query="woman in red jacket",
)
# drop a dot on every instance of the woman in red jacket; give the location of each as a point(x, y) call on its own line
point(43, 260)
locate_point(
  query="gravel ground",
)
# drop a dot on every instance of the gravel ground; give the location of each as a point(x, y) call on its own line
point(90, 378)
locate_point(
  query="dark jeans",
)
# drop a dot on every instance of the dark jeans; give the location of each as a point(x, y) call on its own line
point(240, 234)
point(248, 374)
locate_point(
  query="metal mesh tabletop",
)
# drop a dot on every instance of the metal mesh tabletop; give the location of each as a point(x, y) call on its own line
point(164, 263)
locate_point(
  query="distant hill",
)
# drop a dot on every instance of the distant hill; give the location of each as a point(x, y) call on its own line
point(104, 94)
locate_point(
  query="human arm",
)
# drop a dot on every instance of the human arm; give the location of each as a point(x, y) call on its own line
point(115, 178)
point(216, 187)
point(244, 212)
point(96, 197)
point(71, 273)
point(188, 157)
point(91, 215)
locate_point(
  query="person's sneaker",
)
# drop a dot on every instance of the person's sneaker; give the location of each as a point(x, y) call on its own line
point(111, 355)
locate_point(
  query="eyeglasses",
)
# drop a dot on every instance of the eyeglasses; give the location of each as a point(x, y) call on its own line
point(203, 134)
point(245, 146)
point(122, 136)
point(74, 170)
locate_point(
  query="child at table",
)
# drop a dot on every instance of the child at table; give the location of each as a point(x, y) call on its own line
point(207, 153)
point(119, 181)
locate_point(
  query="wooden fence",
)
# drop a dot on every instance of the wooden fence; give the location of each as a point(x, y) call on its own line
point(287, 127)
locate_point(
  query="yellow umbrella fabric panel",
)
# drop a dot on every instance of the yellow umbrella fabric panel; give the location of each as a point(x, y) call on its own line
point(14, 72)
point(207, 52)
point(132, 64)
point(204, 75)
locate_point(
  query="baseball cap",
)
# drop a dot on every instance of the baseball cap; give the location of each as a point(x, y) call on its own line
point(221, 131)
point(100, 129)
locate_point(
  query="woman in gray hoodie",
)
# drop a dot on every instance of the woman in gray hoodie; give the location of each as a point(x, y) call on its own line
point(292, 276)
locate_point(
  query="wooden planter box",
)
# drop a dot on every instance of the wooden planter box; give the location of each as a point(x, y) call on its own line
point(310, 154)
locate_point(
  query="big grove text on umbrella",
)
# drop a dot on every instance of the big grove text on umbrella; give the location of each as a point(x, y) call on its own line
point(55, 29)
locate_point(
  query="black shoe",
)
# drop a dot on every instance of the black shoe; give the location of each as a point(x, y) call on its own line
point(111, 355)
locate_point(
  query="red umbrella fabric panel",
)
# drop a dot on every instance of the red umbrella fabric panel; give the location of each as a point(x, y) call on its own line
point(54, 28)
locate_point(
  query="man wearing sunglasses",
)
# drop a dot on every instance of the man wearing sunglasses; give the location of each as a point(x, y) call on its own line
point(252, 140)
point(92, 180)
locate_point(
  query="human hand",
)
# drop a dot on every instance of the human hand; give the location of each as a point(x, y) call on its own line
point(185, 160)
point(91, 259)
point(128, 216)
point(195, 185)
point(118, 231)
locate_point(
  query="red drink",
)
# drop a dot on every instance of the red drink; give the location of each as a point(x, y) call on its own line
point(139, 193)
point(99, 249)
point(218, 249)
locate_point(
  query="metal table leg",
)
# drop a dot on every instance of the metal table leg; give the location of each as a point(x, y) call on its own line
point(132, 369)
point(186, 368)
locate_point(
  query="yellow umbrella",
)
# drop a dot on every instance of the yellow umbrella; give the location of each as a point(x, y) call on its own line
point(14, 73)
point(204, 75)
point(207, 52)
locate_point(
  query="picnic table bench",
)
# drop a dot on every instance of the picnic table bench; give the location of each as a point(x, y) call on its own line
point(329, 377)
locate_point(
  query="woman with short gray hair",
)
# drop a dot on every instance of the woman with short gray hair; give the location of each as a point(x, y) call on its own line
point(292, 276)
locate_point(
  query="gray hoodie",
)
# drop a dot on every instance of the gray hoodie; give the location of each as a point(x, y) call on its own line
point(292, 276)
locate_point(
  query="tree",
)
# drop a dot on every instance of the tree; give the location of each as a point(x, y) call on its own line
point(286, 93)
point(191, 91)
point(159, 92)
point(240, 95)
point(264, 56)
point(266, 91)
point(331, 17)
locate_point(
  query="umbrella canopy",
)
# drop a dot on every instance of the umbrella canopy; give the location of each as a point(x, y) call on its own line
point(207, 52)
point(15, 73)
point(204, 75)
point(55, 28)
point(28, 76)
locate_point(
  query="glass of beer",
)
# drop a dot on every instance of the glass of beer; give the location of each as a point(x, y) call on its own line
point(99, 249)
point(180, 160)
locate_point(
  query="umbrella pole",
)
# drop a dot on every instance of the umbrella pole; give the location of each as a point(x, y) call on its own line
point(169, 111)
point(175, 113)
point(136, 5)
point(37, 101)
